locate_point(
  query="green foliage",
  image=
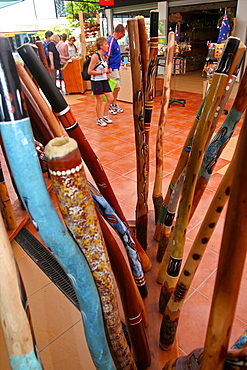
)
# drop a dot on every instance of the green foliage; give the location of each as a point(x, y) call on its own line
point(56, 29)
point(72, 9)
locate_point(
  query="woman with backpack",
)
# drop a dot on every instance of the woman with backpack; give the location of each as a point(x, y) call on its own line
point(98, 69)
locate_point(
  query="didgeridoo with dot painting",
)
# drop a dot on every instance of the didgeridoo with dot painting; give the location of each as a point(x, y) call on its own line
point(198, 147)
point(77, 208)
point(133, 307)
point(173, 308)
point(157, 190)
point(160, 234)
point(23, 161)
point(220, 140)
point(140, 141)
point(66, 117)
point(15, 325)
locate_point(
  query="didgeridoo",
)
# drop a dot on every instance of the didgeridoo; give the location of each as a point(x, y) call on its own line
point(14, 321)
point(173, 308)
point(112, 218)
point(182, 162)
point(198, 147)
point(141, 146)
point(21, 153)
point(50, 121)
point(7, 208)
point(134, 314)
point(157, 190)
point(230, 266)
point(42, 56)
point(220, 140)
point(77, 208)
point(66, 117)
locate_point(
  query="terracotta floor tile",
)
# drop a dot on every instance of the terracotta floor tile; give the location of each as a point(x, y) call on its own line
point(122, 165)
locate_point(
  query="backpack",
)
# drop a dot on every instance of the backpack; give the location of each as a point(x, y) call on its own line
point(85, 75)
point(45, 45)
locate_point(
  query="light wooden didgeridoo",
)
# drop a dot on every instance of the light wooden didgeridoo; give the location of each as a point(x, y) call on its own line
point(14, 321)
point(77, 208)
point(157, 190)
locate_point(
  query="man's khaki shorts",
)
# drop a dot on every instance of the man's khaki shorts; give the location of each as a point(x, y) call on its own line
point(115, 75)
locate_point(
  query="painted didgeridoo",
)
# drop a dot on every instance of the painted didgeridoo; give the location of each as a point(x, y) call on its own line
point(112, 218)
point(220, 140)
point(230, 266)
point(173, 308)
point(14, 321)
point(140, 141)
point(7, 208)
point(235, 360)
point(22, 157)
point(66, 117)
point(134, 314)
point(77, 208)
point(198, 147)
point(157, 190)
point(182, 162)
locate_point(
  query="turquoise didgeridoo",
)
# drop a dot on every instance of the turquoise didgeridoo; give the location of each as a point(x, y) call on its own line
point(21, 153)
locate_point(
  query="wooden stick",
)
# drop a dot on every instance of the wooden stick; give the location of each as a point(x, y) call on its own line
point(172, 310)
point(157, 190)
point(7, 210)
point(66, 117)
point(14, 321)
point(21, 153)
point(129, 297)
point(141, 147)
point(198, 147)
point(77, 208)
point(219, 141)
point(231, 265)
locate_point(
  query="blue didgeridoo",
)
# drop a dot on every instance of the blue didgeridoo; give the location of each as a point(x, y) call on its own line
point(116, 223)
point(21, 153)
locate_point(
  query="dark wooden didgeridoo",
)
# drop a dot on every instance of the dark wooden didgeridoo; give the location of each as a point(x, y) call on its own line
point(77, 208)
point(64, 113)
point(7, 208)
point(157, 190)
point(20, 151)
point(15, 324)
point(141, 146)
point(131, 304)
point(198, 148)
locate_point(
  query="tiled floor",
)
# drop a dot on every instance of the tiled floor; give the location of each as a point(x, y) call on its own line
point(60, 336)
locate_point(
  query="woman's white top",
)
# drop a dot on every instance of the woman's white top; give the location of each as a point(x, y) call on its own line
point(71, 50)
point(99, 66)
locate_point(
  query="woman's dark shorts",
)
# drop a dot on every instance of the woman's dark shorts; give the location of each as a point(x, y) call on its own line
point(100, 87)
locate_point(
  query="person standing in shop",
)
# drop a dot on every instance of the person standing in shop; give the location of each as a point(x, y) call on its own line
point(98, 69)
point(62, 48)
point(114, 61)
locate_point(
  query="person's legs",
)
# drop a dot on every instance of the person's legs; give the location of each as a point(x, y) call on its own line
point(99, 102)
point(110, 100)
